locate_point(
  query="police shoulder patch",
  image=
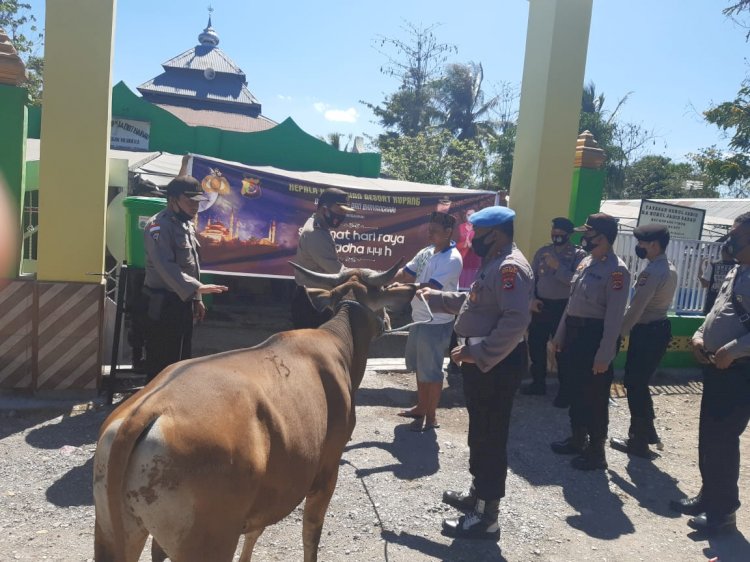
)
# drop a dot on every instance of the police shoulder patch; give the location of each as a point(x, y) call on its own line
point(508, 275)
point(643, 279)
point(617, 280)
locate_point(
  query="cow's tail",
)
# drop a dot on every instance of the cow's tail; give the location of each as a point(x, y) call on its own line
point(127, 436)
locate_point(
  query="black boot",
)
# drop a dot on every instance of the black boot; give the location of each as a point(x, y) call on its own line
point(689, 506)
point(637, 443)
point(573, 445)
point(480, 523)
point(710, 524)
point(535, 388)
point(593, 458)
point(464, 501)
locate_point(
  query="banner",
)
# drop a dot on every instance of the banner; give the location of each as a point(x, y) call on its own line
point(251, 223)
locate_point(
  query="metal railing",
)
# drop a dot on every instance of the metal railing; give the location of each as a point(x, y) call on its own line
point(687, 256)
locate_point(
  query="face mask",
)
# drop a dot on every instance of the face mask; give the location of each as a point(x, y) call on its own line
point(587, 244)
point(181, 215)
point(334, 220)
point(640, 252)
point(732, 247)
point(560, 240)
point(480, 246)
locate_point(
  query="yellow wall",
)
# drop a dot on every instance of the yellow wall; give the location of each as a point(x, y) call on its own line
point(75, 139)
point(556, 45)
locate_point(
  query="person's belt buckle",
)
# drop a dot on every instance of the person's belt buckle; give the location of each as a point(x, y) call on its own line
point(745, 317)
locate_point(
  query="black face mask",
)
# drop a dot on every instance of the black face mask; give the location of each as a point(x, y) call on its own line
point(640, 252)
point(587, 244)
point(334, 220)
point(732, 247)
point(181, 215)
point(480, 246)
point(560, 240)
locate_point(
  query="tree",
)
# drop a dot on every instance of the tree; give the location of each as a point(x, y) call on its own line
point(417, 64)
point(466, 113)
point(20, 25)
point(432, 156)
point(736, 11)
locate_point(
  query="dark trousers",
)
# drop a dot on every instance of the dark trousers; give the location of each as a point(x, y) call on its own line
point(169, 331)
point(725, 411)
point(589, 393)
point(489, 400)
point(304, 314)
point(543, 327)
point(648, 344)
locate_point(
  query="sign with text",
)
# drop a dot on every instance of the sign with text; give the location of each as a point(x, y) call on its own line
point(250, 225)
point(683, 222)
point(129, 135)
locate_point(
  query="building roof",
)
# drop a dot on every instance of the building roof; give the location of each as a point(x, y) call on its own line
point(204, 87)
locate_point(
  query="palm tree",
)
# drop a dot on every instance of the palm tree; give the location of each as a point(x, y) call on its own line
point(462, 100)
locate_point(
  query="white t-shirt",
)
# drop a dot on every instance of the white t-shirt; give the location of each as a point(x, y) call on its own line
point(442, 270)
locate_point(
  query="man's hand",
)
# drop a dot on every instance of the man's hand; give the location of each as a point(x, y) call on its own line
point(199, 310)
point(554, 347)
point(206, 289)
point(698, 351)
point(551, 261)
point(723, 358)
point(600, 368)
point(536, 305)
point(461, 354)
point(426, 292)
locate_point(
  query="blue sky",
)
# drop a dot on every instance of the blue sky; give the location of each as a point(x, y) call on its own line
point(314, 61)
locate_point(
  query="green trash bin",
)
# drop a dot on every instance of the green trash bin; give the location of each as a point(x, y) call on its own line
point(137, 212)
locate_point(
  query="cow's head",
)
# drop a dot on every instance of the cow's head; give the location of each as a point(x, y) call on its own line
point(366, 286)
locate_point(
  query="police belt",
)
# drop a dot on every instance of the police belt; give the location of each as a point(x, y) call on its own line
point(580, 322)
point(475, 340)
point(654, 324)
point(555, 302)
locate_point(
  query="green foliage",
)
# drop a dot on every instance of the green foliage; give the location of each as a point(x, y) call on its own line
point(658, 177)
point(464, 111)
point(432, 156)
point(20, 25)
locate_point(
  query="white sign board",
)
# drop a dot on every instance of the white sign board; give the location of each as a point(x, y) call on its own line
point(683, 222)
point(129, 135)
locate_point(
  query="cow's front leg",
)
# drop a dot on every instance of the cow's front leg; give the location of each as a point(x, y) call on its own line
point(250, 539)
point(316, 504)
point(157, 552)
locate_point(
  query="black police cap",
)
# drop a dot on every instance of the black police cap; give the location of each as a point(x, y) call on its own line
point(652, 233)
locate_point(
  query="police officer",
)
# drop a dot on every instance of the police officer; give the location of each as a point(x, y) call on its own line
point(491, 324)
point(722, 344)
point(587, 341)
point(650, 333)
point(316, 251)
point(553, 265)
point(172, 285)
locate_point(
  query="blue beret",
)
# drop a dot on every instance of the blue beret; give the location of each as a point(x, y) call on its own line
point(492, 216)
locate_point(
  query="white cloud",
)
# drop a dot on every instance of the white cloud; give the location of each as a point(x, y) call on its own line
point(337, 115)
point(282, 97)
point(342, 115)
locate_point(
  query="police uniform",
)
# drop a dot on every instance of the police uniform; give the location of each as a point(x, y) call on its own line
point(316, 251)
point(492, 321)
point(725, 406)
point(650, 332)
point(170, 286)
point(552, 288)
point(588, 334)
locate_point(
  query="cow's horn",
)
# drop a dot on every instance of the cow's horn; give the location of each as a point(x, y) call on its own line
point(382, 279)
point(320, 280)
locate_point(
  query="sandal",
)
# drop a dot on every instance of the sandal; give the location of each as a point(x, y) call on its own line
point(410, 414)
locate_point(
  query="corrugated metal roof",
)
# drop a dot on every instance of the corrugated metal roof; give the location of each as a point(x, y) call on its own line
point(222, 88)
point(219, 119)
point(202, 57)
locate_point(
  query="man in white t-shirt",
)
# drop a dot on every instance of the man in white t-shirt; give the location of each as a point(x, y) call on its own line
point(437, 266)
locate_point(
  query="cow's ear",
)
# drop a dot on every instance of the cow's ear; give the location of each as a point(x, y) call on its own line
point(320, 299)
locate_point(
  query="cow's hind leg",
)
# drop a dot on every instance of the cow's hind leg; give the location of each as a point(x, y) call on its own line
point(250, 539)
point(316, 504)
point(157, 552)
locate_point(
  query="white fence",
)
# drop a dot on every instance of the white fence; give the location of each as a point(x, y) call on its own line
point(687, 256)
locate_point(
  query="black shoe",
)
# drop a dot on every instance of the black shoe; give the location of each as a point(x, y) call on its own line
point(465, 501)
point(593, 458)
point(561, 401)
point(534, 389)
point(574, 445)
point(688, 506)
point(712, 524)
point(632, 446)
point(480, 523)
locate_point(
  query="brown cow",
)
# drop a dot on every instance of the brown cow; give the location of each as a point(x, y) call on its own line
point(225, 445)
